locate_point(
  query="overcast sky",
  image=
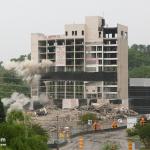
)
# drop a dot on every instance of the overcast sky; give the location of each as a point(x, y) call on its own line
point(20, 18)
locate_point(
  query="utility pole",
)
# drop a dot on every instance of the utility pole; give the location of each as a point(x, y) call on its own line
point(57, 134)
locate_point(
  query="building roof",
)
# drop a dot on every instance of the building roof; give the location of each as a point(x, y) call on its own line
point(139, 82)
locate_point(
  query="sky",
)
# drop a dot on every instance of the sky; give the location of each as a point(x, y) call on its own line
point(20, 18)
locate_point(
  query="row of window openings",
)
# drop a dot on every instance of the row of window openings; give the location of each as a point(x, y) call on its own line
point(52, 49)
point(67, 90)
point(107, 69)
point(106, 42)
point(74, 33)
point(99, 55)
point(105, 62)
point(99, 48)
point(91, 96)
point(54, 43)
point(99, 95)
point(110, 35)
point(71, 62)
point(65, 82)
point(106, 89)
point(81, 68)
point(91, 55)
point(94, 48)
point(77, 68)
point(68, 68)
point(77, 83)
point(77, 62)
point(81, 89)
point(68, 49)
point(68, 95)
point(77, 55)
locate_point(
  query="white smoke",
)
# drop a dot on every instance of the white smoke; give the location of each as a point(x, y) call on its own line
point(43, 99)
point(29, 70)
point(16, 101)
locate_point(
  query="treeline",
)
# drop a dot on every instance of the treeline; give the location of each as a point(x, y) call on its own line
point(139, 61)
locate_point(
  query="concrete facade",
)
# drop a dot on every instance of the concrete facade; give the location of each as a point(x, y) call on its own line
point(89, 47)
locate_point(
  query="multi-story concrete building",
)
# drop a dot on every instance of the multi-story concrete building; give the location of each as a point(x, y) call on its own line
point(85, 48)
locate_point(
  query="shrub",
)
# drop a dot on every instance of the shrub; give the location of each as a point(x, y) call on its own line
point(88, 116)
point(131, 132)
point(110, 146)
point(144, 133)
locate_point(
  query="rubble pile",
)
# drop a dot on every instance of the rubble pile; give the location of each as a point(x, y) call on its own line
point(50, 122)
point(109, 111)
point(70, 117)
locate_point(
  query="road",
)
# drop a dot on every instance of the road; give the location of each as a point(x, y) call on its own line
point(96, 141)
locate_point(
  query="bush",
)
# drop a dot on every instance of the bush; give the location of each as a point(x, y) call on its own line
point(131, 132)
point(88, 116)
point(144, 133)
point(15, 116)
point(110, 146)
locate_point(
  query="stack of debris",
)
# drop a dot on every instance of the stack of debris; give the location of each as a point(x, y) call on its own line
point(70, 117)
point(107, 110)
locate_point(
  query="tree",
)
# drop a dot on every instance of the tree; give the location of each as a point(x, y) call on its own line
point(15, 116)
point(22, 57)
point(2, 112)
point(144, 133)
point(88, 116)
point(10, 82)
point(140, 72)
point(5, 148)
point(139, 62)
point(22, 135)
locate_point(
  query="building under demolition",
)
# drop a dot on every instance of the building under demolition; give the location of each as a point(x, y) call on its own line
point(90, 62)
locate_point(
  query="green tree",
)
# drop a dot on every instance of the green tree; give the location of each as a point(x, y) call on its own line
point(10, 82)
point(144, 133)
point(131, 132)
point(2, 112)
point(5, 148)
point(139, 62)
point(22, 135)
point(15, 116)
point(88, 116)
point(110, 146)
point(22, 58)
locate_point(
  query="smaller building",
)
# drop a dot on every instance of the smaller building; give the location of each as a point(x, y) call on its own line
point(139, 95)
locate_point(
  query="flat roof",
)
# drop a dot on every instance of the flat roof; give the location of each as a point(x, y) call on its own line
point(139, 82)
